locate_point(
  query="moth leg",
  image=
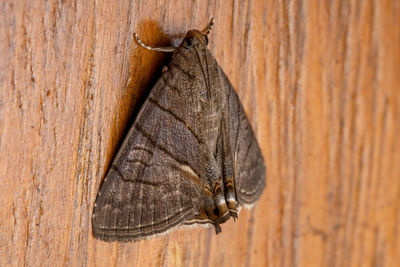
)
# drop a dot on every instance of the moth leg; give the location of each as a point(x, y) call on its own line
point(161, 49)
point(213, 209)
point(216, 209)
point(228, 173)
point(217, 206)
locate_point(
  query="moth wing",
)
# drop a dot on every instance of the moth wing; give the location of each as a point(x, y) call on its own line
point(151, 185)
point(249, 167)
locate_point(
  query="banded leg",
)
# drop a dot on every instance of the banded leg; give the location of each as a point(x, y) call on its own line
point(228, 173)
point(215, 204)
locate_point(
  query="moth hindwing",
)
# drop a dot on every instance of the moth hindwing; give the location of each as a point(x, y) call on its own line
point(190, 156)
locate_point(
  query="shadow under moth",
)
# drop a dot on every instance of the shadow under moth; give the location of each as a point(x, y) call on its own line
point(190, 157)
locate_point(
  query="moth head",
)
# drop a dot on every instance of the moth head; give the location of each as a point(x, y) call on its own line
point(194, 38)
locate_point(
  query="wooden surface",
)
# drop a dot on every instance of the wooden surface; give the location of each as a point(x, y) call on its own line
point(320, 83)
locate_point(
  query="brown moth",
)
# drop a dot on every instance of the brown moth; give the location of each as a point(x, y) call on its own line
point(189, 157)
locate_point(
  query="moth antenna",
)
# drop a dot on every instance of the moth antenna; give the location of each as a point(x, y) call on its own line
point(207, 30)
point(161, 49)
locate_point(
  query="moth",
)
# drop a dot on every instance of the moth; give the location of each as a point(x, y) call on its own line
point(190, 157)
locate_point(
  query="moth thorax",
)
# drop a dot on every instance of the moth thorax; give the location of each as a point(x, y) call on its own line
point(197, 35)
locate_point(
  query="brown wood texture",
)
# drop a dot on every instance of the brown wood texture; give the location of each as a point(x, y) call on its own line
point(320, 83)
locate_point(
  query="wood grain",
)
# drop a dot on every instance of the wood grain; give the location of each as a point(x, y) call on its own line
point(319, 81)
